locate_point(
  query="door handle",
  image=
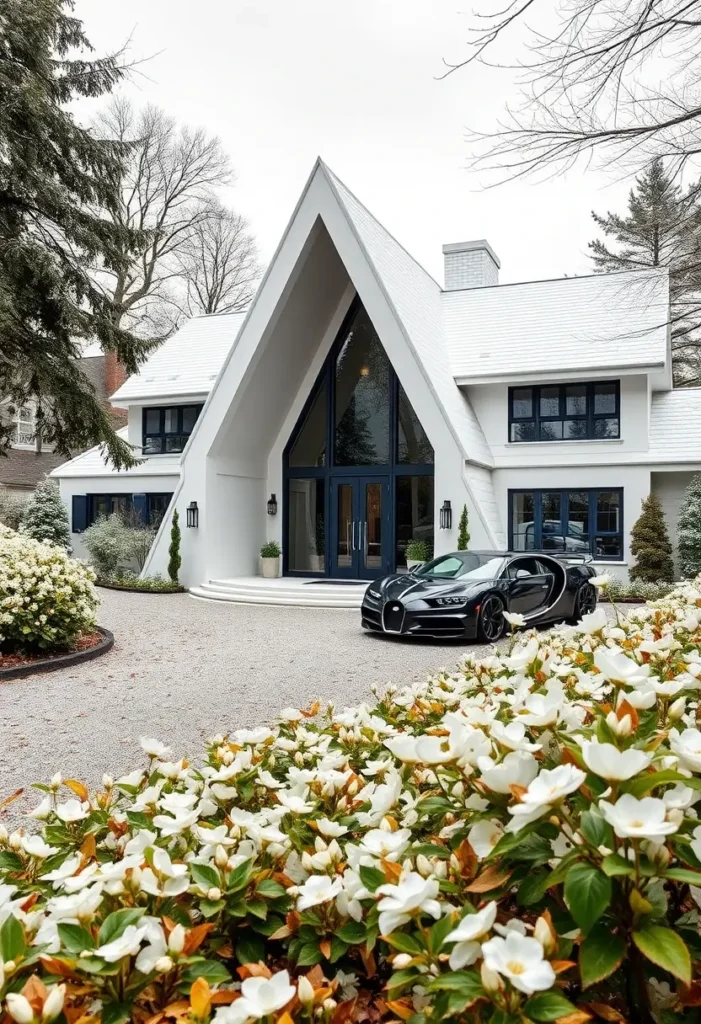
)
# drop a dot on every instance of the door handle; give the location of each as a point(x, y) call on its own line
point(354, 534)
point(365, 544)
point(348, 543)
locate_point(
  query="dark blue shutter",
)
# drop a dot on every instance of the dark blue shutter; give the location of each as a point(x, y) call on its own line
point(79, 515)
point(140, 506)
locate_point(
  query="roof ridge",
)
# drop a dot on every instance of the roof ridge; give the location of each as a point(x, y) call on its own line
point(553, 280)
point(335, 180)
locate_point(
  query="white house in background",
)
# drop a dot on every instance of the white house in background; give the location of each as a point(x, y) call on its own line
point(369, 400)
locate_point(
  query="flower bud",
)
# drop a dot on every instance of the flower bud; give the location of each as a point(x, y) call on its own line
point(386, 825)
point(401, 960)
point(307, 862)
point(491, 982)
point(10, 967)
point(163, 965)
point(423, 865)
point(221, 857)
point(53, 1004)
point(675, 815)
point(677, 709)
point(305, 991)
point(176, 939)
point(15, 841)
point(19, 1008)
point(3, 834)
point(227, 757)
point(440, 869)
point(56, 781)
point(329, 1005)
point(352, 787)
point(544, 934)
point(107, 781)
point(214, 894)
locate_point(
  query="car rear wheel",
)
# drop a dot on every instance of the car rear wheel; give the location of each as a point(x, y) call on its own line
point(491, 622)
point(584, 602)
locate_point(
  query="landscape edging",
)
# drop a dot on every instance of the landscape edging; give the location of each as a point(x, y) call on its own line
point(51, 664)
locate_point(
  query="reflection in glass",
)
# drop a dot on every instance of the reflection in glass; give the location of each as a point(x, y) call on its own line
point(306, 547)
point(412, 445)
point(153, 421)
point(522, 403)
point(608, 511)
point(523, 431)
point(372, 526)
point(606, 427)
point(550, 401)
point(605, 398)
point(414, 513)
point(523, 522)
point(345, 525)
point(362, 398)
point(576, 400)
point(551, 522)
point(309, 448)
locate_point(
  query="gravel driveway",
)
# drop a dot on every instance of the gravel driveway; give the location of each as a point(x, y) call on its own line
point(182, 670)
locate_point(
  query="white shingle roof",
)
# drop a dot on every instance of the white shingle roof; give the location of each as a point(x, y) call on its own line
point(675, 425)
point(572, 324)
point(187, 363)
point(93, 463)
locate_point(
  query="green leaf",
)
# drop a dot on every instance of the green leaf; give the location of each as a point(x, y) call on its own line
point(613, 865)
point(434, 805)
point(464, 981)
point(250, 949)
point(642, 784)
point(205, 875)
point(532, 888)
point(352, 932)
point(270, 889)
point(10, 861)
point(338, 949)
point(600, 954)
point(666, 949)
point(594, 828)
point(211, 970)
point(12, 941)
point(684, 875)
point(371, 878)
point(309, 955)
point(431, 850)
point(588, 893)
point(259, 908)
point(548, 1006)
point(209, 908)
point(75, 939)
point(437, 935)
point(402, 979)
point(115, 1013)
point(404, 943)
point(240, 877)
point(115, 924)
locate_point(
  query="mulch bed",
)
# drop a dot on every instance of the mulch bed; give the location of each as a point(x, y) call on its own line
point(140, 590)
point(86, 647)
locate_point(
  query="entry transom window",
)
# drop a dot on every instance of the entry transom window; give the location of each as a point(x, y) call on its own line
point(167, 428)
point(577, 521)
point(565, 412)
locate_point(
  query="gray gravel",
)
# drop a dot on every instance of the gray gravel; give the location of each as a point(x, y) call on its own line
point(182, 670)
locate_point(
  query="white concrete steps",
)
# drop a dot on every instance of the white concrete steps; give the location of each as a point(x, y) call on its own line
point(300, 593)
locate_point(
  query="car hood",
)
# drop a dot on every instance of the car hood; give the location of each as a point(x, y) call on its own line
point(412, 587)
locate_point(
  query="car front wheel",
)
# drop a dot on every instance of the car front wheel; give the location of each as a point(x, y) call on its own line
point(584, 602)
point(491, 622)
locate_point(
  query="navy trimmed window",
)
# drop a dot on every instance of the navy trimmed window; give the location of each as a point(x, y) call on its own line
point(166, 429)
point(582, 521)
point(145, 508)
point(565, 412)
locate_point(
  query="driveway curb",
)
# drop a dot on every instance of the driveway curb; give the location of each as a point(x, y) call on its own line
point(61, 660)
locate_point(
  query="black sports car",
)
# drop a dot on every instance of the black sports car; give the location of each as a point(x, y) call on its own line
point(464, 594)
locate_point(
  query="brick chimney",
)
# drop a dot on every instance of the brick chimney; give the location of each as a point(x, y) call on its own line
point(470, 265)
point(115, 375)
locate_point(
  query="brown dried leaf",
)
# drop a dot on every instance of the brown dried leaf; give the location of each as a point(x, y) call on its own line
point(492, 877)
point(195, 937)
point(403, 1009)
point(325, 947)
point(77, 787)
point(35, 992)
point(200, 997)
point(258, 970)
point(605, 1011)
point(9, 799)
point(578, 1017)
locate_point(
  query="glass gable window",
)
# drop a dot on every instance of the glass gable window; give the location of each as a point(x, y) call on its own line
point(414, 514)
point(577, 521)
point(166, 429)
point(565, 412)
point(362, 397)
point(412, 444)
point(309, 447)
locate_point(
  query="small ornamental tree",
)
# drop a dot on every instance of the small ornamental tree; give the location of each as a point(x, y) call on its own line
point(463, 532)
point(174, 559)
point(689, 530)
point(650, 545)
point(45, 517)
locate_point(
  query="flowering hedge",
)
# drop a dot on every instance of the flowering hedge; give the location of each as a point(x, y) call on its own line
point(46, 598)
point(517, 840)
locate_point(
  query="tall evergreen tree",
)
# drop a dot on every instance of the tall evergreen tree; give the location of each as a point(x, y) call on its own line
point(57, 183)
point(689, 530)
point(650, 545)
point(662, 228)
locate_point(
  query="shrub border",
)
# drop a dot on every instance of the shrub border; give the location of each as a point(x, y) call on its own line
point(51, 664)
point(140, 590)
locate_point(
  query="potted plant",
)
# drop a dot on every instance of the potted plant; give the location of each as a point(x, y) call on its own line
point(416, 554)
point(270, 560)
point(317, 558)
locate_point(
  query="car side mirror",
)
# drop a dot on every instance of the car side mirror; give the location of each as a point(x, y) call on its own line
point(522, 574)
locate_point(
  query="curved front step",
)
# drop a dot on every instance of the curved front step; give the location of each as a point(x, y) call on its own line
point(283, 592)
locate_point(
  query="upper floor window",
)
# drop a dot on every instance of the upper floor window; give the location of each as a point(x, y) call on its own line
point(565, 412)
point(167, 428)
point(24, 426)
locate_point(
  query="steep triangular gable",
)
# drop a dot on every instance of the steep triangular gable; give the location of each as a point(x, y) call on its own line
point(416, 301)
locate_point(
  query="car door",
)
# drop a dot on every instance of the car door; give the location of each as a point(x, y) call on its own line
point(529, 585)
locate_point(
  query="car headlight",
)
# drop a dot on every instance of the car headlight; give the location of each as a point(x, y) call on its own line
point(374, 593)
point(450, 600)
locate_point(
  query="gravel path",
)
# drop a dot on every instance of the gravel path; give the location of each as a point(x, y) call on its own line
point(182, 670)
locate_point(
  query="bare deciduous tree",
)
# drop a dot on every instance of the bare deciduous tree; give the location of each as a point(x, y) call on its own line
point(218, 263)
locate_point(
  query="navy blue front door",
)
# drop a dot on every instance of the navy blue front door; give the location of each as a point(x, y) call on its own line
point(360, 527)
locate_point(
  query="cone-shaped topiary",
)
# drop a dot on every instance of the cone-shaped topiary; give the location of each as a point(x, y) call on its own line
point(689, 530)
point(45, 517)
point(650, 545)
point(463, 532)
point(174, 560)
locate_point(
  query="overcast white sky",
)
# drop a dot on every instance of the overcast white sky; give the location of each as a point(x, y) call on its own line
point(282, 81)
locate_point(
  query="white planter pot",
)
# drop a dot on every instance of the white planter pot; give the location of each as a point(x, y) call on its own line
point(317, 563)
point(411, 564)
point(270, 568)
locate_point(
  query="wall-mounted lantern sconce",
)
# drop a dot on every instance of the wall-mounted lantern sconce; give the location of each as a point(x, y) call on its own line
point(193, 514)
point(272, 505)
point(446, 519)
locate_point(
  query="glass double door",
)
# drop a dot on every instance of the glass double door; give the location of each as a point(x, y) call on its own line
point(360, 535)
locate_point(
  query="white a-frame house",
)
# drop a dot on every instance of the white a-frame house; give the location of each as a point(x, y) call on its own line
point(373, 404)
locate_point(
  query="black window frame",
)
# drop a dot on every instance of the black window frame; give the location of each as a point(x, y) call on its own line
point(590, 417)
point(594, 532)
point(91, 515)
point(160, 435)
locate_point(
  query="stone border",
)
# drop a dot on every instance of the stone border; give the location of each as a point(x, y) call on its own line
point(60, 660)
point(139, 590)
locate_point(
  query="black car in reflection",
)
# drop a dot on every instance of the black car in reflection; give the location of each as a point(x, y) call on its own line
point(464, 594)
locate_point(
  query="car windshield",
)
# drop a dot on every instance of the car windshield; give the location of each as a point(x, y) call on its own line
point(462, 565)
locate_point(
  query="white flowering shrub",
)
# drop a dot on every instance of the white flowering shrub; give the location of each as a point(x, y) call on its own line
point(46, 598)
point(514, 841)
point(642, 590)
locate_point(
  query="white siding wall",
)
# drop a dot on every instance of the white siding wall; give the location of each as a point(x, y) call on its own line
point(669, 488)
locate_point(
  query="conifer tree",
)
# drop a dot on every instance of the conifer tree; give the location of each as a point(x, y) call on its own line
point(650, 545)
point(57, 183)
point(463, 532)
point(174, 559)
point(689, 530)
point(45, 517)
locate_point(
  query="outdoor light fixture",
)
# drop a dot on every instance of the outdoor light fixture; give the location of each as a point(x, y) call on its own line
point(364, 371)
point(446, 519)
point(193, 514)
point(272, 505)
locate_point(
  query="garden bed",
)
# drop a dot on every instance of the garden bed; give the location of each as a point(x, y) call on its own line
point(92, 645)
point(148, 588)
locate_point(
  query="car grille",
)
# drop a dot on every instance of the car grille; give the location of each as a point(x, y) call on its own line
point(393, 617)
